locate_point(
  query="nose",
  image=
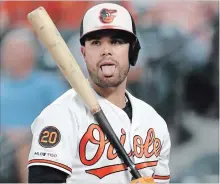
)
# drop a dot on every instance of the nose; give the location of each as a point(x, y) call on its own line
point(106, 49)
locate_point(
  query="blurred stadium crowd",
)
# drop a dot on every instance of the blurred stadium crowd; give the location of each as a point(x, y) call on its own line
point(177, 73)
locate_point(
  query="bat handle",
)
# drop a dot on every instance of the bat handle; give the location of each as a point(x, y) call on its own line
point(112, 137)
point(134, 172)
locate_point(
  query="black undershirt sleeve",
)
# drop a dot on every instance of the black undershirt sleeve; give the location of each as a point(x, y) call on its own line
point(45, 174)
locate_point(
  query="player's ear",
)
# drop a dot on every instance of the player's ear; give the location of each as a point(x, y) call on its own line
point(83, 51)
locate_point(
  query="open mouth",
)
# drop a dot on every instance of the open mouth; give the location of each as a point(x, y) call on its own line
point(108, 69)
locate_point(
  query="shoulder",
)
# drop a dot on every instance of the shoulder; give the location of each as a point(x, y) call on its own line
point(68, 103)
point(146, 111)
point(66, 98)
point(62, 111)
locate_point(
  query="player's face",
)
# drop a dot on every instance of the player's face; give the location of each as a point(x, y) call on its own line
point(107, 60)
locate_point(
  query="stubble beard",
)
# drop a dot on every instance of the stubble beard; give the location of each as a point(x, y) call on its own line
point(108, 82)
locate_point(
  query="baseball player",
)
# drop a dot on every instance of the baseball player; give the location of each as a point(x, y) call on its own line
point(68, 145)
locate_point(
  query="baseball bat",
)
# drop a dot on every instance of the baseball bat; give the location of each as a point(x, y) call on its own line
point(52, 39)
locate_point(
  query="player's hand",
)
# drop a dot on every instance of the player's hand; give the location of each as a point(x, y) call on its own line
point(143, 180)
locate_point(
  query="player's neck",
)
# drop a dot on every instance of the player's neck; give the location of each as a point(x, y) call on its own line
point(115, 95)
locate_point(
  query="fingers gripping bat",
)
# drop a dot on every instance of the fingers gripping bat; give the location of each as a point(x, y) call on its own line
point(52, 39)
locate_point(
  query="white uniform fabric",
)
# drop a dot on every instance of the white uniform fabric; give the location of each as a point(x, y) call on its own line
point(84, 152)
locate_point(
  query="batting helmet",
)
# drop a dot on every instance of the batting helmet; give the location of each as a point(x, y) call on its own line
point(110, 16)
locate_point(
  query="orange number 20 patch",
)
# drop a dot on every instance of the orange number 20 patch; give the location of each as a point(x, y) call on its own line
point(49, 137)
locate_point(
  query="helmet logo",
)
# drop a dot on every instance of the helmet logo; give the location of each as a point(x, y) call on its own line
point(106, 15)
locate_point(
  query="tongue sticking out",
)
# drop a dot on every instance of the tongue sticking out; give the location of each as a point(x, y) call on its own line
point(108, 70)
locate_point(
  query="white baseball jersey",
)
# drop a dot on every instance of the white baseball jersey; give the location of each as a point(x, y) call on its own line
point(67, 137)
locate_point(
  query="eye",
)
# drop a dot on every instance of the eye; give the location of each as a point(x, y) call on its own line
point(95, 42)
point(117, 41)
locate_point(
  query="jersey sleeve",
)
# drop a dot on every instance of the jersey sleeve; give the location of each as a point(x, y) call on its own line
point(54, 139)
point(162, 171)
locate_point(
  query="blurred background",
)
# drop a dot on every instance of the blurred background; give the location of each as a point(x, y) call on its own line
point(177, 73)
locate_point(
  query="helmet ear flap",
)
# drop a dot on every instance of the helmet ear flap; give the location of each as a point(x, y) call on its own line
point(134, 46)
point(134, 51)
